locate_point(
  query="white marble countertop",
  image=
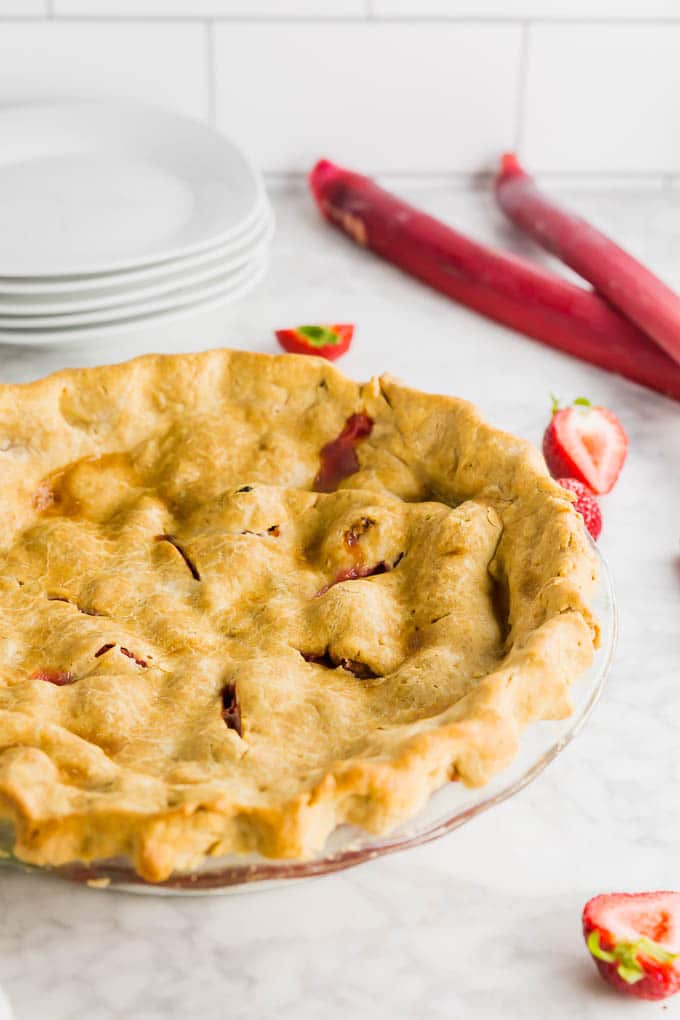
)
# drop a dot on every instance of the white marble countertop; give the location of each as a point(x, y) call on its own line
point(483, 924)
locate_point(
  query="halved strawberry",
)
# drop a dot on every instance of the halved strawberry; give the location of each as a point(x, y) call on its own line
point(324, 341)
point(587, 443)
point(634, 939)
point(586, 504)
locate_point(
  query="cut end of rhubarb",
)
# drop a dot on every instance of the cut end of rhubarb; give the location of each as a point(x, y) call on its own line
point(511, 166)
point(321, 175)
point(636, 292)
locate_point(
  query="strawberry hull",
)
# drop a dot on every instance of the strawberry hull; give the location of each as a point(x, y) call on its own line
point(657, 983)
point(652, 986)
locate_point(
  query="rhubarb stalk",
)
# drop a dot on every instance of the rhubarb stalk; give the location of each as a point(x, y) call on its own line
point(501, 286)
point(619, 277)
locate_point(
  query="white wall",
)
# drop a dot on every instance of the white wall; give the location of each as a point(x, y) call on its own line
point(400, 87)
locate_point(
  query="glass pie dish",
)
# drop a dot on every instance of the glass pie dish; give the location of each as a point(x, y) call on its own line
point(450, 807)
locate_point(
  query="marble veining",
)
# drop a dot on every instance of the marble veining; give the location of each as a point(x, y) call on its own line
point(483, 925)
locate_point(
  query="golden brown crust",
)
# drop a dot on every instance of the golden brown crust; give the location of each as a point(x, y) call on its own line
point(165, 558)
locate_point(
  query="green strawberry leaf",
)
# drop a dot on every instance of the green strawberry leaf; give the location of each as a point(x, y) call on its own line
point(319, 336)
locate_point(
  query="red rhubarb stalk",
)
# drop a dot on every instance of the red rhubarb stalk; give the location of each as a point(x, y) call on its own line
point(501, 286)
point(624, 281)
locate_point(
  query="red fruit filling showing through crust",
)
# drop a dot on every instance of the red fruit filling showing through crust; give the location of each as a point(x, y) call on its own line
point(338, 458)
point(231, 711)
point(358, 669)
point(135, 658)
point(191, 566)
point(58, 677)
point(359, 568)
point(103, 650)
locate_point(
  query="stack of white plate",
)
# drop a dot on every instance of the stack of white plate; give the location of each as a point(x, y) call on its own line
point(117, 219)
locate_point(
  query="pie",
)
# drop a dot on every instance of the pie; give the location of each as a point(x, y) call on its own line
point(244, 600)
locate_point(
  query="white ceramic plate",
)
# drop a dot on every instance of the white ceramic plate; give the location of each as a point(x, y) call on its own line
point(28, 313)
point(219, 283)
point(94, 187)
point(45, 289)
point(160, 328)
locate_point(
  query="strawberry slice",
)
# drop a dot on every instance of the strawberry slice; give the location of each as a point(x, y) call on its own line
point(586, 504)
point(324, 341)
point(587, 443)
point(634, 939)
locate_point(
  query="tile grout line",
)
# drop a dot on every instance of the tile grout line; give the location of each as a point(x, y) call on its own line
point(413, 19)
point(522, 85)
point(663, 180)
point(210, 70)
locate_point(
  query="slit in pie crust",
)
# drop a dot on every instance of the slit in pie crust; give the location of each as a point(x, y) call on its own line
point(202, 653)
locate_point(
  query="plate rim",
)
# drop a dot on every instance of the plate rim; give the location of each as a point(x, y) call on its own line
point(126, 303)
point(87, 334)
point(108, 108)
point(49, 286)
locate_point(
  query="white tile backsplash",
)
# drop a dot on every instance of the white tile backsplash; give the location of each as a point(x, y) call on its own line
point(385, 98)
point(23, 8)
point(402, 87)
point(500, 9)
point(600, 97)
point(215, 8)
point(163, 64)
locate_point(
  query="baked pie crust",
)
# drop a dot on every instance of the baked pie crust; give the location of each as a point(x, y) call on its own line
point(201, 654)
